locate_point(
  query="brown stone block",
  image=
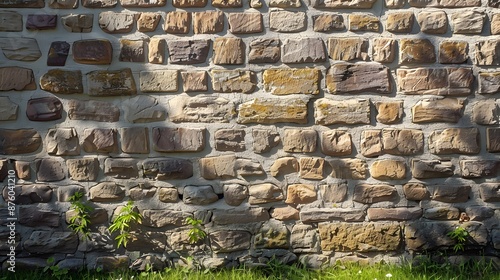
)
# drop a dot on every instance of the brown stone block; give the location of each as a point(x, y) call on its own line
point(62, 81)
point(78, 23)
point(42, 22)
point(167, 168)
point(159, 81)
point(349, 168)
point(16, 78)
point(304, 50)
point(143, 109)
point(453, 52)
point(193, 81)
point(402, 141)
point(437, 110)
point(218, 167)
point(433, 22)
point(11, 21)
point(495, 24)
point(100, 140)
point(493, 140)
point(348, 78)
point(489, 82)
point(353, 111)
point(245, 23)
point(230, 140)
point(226, 241)
point(468, 22)
point(287, 21)
point(111, 83)
point(23, 169)
point(264, 51)
point(83, 169)
point(400, 22)
point(178, 139)
point(44, 109)
point(93, 111)
point(92, 51)
point(283, 166)
point(142, 3)
point(208, 22)
point(394, 214)
point(134, 140)
point(348, 49)
point(328, 22)
point(388, 169)
point(235, 194)
point(389, 112)
point(131, 50)
point(201, 109)
point(264, 140)
point(486, 112)
point(426, 169)
point(188, 52)
point(58, 53)
point(312, 168)
point(168, 195)
point(486, 52)
point(147, 22)
point(20, 48)
point(347, 4)
point(416, 51)
point(479, 168)
point(111, 22)
point(272, 235)
point(240, 216)
point(34, 217)
point(490, 192)
point(300, 140)
point(189, 3)
point(248, 167)
point(23, 4)
point(364, 22)
point(122, 168)
point(177, 22)
point(454, 140)
point(334, 192)
point(444, 4)
point(416, 191)
point(336, 143)
point(106, 192)
point(451, 193)
point(49, 170)
point(269, 111)
point(19, 141)
point(384, 50)
point(62, 142)
point(442, 213)
point(9, 109)
point(228, 51)
point(29, 194)
point(286, 213)
point(435, 81)
point(264, 193)
point(300, 194)
point(367, 193)
point(315, 215)
point(231, 81)
point(63, 4)
point(227, 3)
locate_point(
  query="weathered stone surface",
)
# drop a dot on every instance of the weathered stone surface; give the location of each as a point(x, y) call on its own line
point(11, 21)
point(218, 167)
point(284, 3)
point(16, 78)
point(178, 139)
point(348, 168)
point(300, 194)
point(23, 4)
point(493, 140)
point(208, 22)
point(490, 192)
point(149, 241)
point(416, 191)
point(83, 169)
point(156, 50)
point(315, 215)
point(264, 51)
point(328, 22)
point(285, 213)
point(62, 142)
point(269, 111)
point(394, 214)
point(287, 21)
point(49, 170)
point(416, 51)
point(159, 81)
point(467, 22)
point(384, 50)
point(486, 112)
point(479, 213)
point(42, 21)
point(61, 4)
point(188, 52)
point(19, 141)
point(425, 169)
point(201, 109)
point(272, 234)
point(106, 192)
point(23, 169)
point(283, 166)
point(199, 195)
point(256, 4)
point(189, 3)
point(51, 242)
point(437, 110)
point(227, 3)
point(495, 24)
point(388, 169)
point(364, 22)
point(366, 193)
point(233, 81)
point(62, 81)
point(29, 194)
point(93, 111)
point(230, 240)
point(299, 140)
point(433, 22)
point(44, 109)
point(21, 49)
point(400, 22)
point(444, 4)
point(489, 82)
point(291, 81)
point(304, 239)
point(348, 48)
point(93, 51)
point(230, 140)
point(248, 167)
point(479, 168)
point(121, 168)
point(334, 192)
point(442, 213)
point(143, 108)
point(362, 237)
point(228, 51)
point(353, 111)
point(111, 22)
point(193, 81)
point(389, 112)
point(304, 50)
point(168, 195)
point(453, 52)
point(486, 52)
point(454, 140)
point(147, 22)
point(240, 216)
point(245, 23)
point(132, 50)
point(264, 193)
point(142, 3)
point(311, 168)
point(336, 143)
point(111, 82)
point(346, 78)
point(167, 168)
point(177, 22)
point(161, 218)
point(78, 23)
point(112, 263)
point(392, 141)
point(235, 194)
point(34, 217)
point(435, 81)
point(134, 140)
point(9, 109)
point(264, 140)
point(349, 4)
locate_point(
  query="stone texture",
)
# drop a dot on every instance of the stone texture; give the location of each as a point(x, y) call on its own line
point(416, 191)
point(194, 81)
point(83, 169)
point(394, 214)
point(168, 195)
point(400, 22)
point(287, 21)
point(150, 241)
point(336, 143)
point(490, 192)
point(134, 140)
point(228, 51)
point(19, 141)
point(23, 4)
point(49, 170)
point(264, 51)
point(347, 78)
point(99, 3)
point(61, 81)
point(486, 112)
point(362, 237)
point(199, 195)
point(349, 168)
point(43, 109)
point(189, 3)
point(111, 82)
point(454, 140)
point(453, 52)
point(392, 141)
point(143, 109)
point(328, 22)
point(230, 81)
point(495, 24)
point(479, 213)
point(106, 192)
point(364, 22)
point(9, 109)
point(34, 217)
point(412, 51)
point(300, 194)
point(58, 53)
point(177, 22)
point(315, 215)
point(11, 21)
point(78, 23)
point(493, 140)
point(348, 48)
point(93, 51)
point(468, 22)
point(300, 140)
point(311, 168)
point(23, 169)
point(112, 263)
point(304, 239)
point(433, 22)
point(269, 111)
point(306, 50)
point(437, 110)
point(349, 4)
point(353, 111)
point(93, 111)
point(245, 23)
point(29, 194)
point(291, 81)
point(283, 166)
point(235, 194)
point(486, 52)
point(218, 167)
point(479, 168)
point(142, 3)
point(230, 140)
point(227, 3)
point(384, 50)
point(285, 213)
point(366, 193)
point(178, 139)
point(188, 52)
point(60, 4)
point(16, 78)
point(272, 234)
point(51, 242)
point(425, 169)
point(284, 3)
point(20, 49)
point(489, 82)
point(451, 193)
point(264, 140)
point(132, 50)
point(208, 22)
point(156, 50)
point(226, 241)
point(240, 216)
point(111, 22)
point(41, 21)
point(121, 168)
point(147, 22)
point(435, 81)
point(442, 213)
point(444, 4)
point(264, 193)
point(333, 192)
point(159, 81)
point(160, 218)
point(201, 109)
point(389, 112)
point(388, 169)
point(248, 167)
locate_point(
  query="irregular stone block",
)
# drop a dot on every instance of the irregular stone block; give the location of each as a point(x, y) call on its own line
point(49, 170)
point(51, 242)
point(62, 81)
point(437, 110)
point(227, 3)
point(264, 140)
point(93, 51)
point(168, 195)
point(111, 82)
point(311, 168)
point(83, 169)
point(394, 214)
point(228, 51)
point(291, 81)
point(362, 237)
point(34, 217)
point(400, 22)
point(79, 23)
point(142, 3)
point(9, 109)
point(193, 81)
point(111, 22)
point(248, 167)
point(41, 21)
point(161, 218)
point(178, 139)
point(336, 143)
point(454, 140)
point(486, 53)
point(121, 168)
point(367, 193)
point(444, 4)
point(189, 3)
point(62, 4)
point(240, 216)
point(233, 81)
point(287, 21)
point(23, 170)
point(486, 112)
point(388, 169)
point(353, 111)
point(23, 4)
point(218, 167)
point(384, 50)
point(19, 141)
point(479, 213)
point(495, 24)
point(433, 22)
point(389, 112)
point(425, 169)
point(208, 22)
point(493, 140)
point(467, 22)
point(490, 192)
point(235, 194)
point(348, 48)
point(334, 192)
point(199, 195)
point(149, 241)
point(315, 215)
point(201, 109)
point(489, 82)
point(177, 22)
point(245, 23)
point(304, 239)
point(416, 191)
point(299, 140)
point(58, 53)
point(264, 51)
point(93, 111)
point(21, 49)
point(364, 22)
point(328, 22)
point(269, 111)
point(285, 213)
point(230, 241)
point(304, 50)
point(394, 141)
point(29, 194)
point(134, 140)
point(416, 51)
point(188, 52)
point(131, 50)
point(230, 140)
point(159, 81)
point(62, 142)
point(142, 109)
point(453, 52)
point(16, 78)
point(44, 109)
point(264, 193)
point(349, 4)
point(479, 168)
point(300, 194)
point(442, 213)
point(168, 168)
point(11, 21)
point(283, 166)
point(284, 3)
point(348, 168)
point(272, 234)
point(435, 81)
point(106, 192)
point(147, 22)
point(347, 78)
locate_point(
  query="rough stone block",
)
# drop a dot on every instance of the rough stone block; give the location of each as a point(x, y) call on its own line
point(132, 50)
point(389, 112)
point(400, 22)
point(23, 4)
point(159, 81)
point(188, 52)
point(34, 217)
point(333, 192)
point(286, 213)
point(19, 141)
point(227, 3)
point(23, 170)
point(121, 168)
point(287, 21)
point(193, 81)
point(218, 167)
point(83, 169)
point(168, 195)
point(134, 140)
point(479, 213)
point(264, 51)
point(453, 52)
point(300, 140)
point(29, 194)
point(444, 4)
point(416, 191)
point(291, 81)
point(384, 50)
point(349, 4)
point(336, 143)
point(51, 242)
point(235, 194)
point(189, 3)
point(112, 263)
point(353, 111)
point(199, 195)
point(273, 234)
point(168, 168)
point(433, 22)
point(264, 140)
point(161, 218)
point(93, 111)
point(208, 22)
point(240, 216)
point(437, 110)
point(486, 112)
point(226, 241)
point(111, 22)
point(327, 22)
point(493, 140)
point(62, 142)
point(435, 81)
point(147, 22)
point(264, 193)
point(247, 167)
point(283, 166)
point(39, 109)
point(149, 241)
point(245, 23)
point(467, 22)
point(42, 21)
point(106, 192)
point(58, 53)
point(442, 213)
point(315, 215)
point(61, 4)
point(348, 48)
point(486, 52)
point(233, 81)
point(311, 168)
point(479, 168)
point(490, 192)
point(269, 111)
point(62, 81)
point(228, 51)
point(143, 108)
point(364, 23)
point(111, 83)
point(11, 21)
point(348, 78)
point(230, 140)
point(201, 109)
point(426, 169)
point(178, 139)
point(394, 214)
point(284, 3)
point(142, 3)
point(454, 141)
point(416, 51)
point(16, 78)
point(177, 22)
point(349, 169)
point(489, 82)
point(300, 194)
point(388, 169)
point(495, 24)
point(367, 193)
point(49, 170)
point(304, 239)
point(20, 49)
point(306, 50)
point(79, 23)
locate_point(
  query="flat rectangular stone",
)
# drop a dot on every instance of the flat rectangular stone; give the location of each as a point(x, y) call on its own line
point(444, 4)
point(20, 49)
point(306, 50)
point(364, 23)
point(188, 52)
point(287, 21)
point(236, 216)
point(316, 215)
point(347, 4)
point(159, 81)
point(347, 78)
point(437, 110)
point(201, 109)
point(455, 141)
point(208, 22)
point(177, 22)
point(173, 139)
point(22, 4)
point(291, 81)
point(352, 111)
point(493, 140)
point(233, 81)
point(349, 168)
point(228, 51)
point(99, 3)
point(111, 82)
point(41, 22)
point(93, 111)
point(479, 168)
point(112, 22)
point(134, 140)
point(425, 169)
point(245, 23)
point(167, 168)
point(93, 51)
point(268, 111)
point(78, 23)
point(394, 214)
point(189, 3)
point(142, 3)
point(328, 22)
point(132, 50)
point(489, 82)
point(11, 21)
point(436, 81)
point(415, 51)
point(348, 48)
point(16, 78)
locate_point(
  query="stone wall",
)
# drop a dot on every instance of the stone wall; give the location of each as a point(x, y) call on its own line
point(332, 130)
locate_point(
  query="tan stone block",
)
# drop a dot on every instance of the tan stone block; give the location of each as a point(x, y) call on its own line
point(248, 167)
point(78, 23)
point(402, 141)
point(453, 52)
point(364, 22)
point(416, 191)
point(106, 192)
point(264, 140)
point(317, 215)
point(287, 21)
point(208, 22)
point(93, 110)
point(227, 3)
point(291, 81)
point(348, 49)
point(437, 110)
point(189, 3)
point(394, 214)
point(134, 140)
point(201, 109)
point(111, 82)
point(359, 77)
point(285, 213)
point(83, 169)
point(367, 193)
point(159, 81)
point(486, 52)
point(283, 166)
point(454, 141)
point(177, 22)
point(62, 81)
point(416, 51)
point(9, 109)
point(389, 112)
point(353, 111)
point(425, 169)
point(335, 192)
point(23, 169)
point(178, 139)
point(235, 194)
point(264, 193)
point(111, 22)
point(142, 3)
point(256, 4)
point(20, 48)
point(336, 143)
point(489, 82)
point(349, 169)
point(395, 4)
point(147, 22)
point(245, 23)
point(304, 50)
point(268, 111)
point(284, 3)
point(328, 22)
point(233, 81)
point(62, 142)
point(444, 4)
point(228, 51)
point(193, 81)
point(218, 167)
point(384, 50)
point(495, 24)
point(388, 169)
point(264, 51)
point(299, 140)
point(230, 140)
point(486, 112)
point(400, 22)
point(436, 81)
point(101, 140)
point(371, 143)
point(433, 22)
point(11, 21)
point(156, 50)
point(16, 78)
point(468, 22)
point(311, 168)
point(348, 4)
point(300, 194)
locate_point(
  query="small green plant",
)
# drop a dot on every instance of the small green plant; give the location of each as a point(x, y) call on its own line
point(122, 223)
point(196, 233)
point(55, 270)
point(459, 235)
point(80, 222)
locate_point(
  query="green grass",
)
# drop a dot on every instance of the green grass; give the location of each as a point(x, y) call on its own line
point(424, 271)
